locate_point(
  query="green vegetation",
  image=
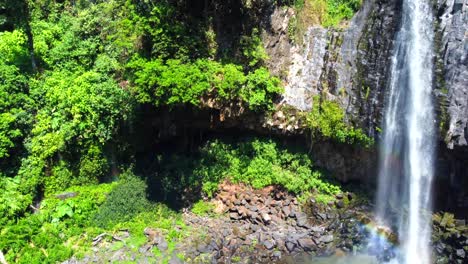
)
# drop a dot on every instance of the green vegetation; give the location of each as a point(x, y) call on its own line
point(49, 235)
point(175, 82)
point(124, 202)
point(326, 119)
point(328, 13)
point(339, 10)
point(202, 208)
point(77, 81)
point(252, 161)
point(64, 227)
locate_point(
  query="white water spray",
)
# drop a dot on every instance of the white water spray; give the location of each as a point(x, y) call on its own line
point(407, 146)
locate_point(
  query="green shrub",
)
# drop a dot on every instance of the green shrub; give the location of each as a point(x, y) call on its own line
point(55, 231)
point(60, 179)
point(125, 201)
point(93, 167)
point(174, 82)
point(339, 10)
point(253, 50)
point(261, 163)
point(328, 13)
point(256, 162)
point(202, 208)
point(13, 202)
point(326, 119)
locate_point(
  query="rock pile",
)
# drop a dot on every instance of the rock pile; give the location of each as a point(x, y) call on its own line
point(271, 226)
point(450, 239)
point(265, 225)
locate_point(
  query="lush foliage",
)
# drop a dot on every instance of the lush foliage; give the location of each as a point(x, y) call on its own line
point(14, 116)
point(326, 119)
point(48, 236)
point(339, 10)
point(66, 225)
point(253, 161)
point(174, 82)
point(328, 13)
point(203, 208)
point(74, 77)
point(125, 201)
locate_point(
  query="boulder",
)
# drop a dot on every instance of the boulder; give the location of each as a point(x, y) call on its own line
point(460, 253)
point(306, 243)
point(326, 239)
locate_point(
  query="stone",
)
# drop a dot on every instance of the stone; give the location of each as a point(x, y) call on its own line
point(66, 195)
point(175, 260)
point(273, 211)
point(203, 248)
point(226, 232)
point(280, 115)
point(277, 236)
point(460, 253)
point(290, 246)
point(119, 255)
point(244, 212)
point(321, 216)
point(440, 248)
point(346, 215)
point(339, 204)
point(275, 219)
point(266, 218)
point(317, 229)
point(286, 210)
point(306, 243)
point(277, 254)
point(254, 228)
point(339, 196)
point(162, 244)
point(234, 216)
point(326, 239)
point(460, 222)
point(254, 208)
point(255, 216)
point(334, 225)
point(302, 220)
point(268, 244)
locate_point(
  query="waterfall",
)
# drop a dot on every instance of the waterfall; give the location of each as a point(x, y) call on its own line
point(408, 140)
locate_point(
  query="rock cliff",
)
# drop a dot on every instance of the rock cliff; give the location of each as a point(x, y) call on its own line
point(350, 64)
point(453, 58)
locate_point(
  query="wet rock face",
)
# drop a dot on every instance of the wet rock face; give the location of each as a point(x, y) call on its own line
point(450, 239)
point(352, 66)
point(348, 65)
point(453, 55)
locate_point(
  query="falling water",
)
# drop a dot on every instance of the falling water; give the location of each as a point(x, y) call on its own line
point(407, 146)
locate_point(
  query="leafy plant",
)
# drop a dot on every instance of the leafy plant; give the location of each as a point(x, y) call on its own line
point(174, 82)
point(256, 162)
point(202, 208)
point(47, 235)
point(125, 201)
point(326, 119)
